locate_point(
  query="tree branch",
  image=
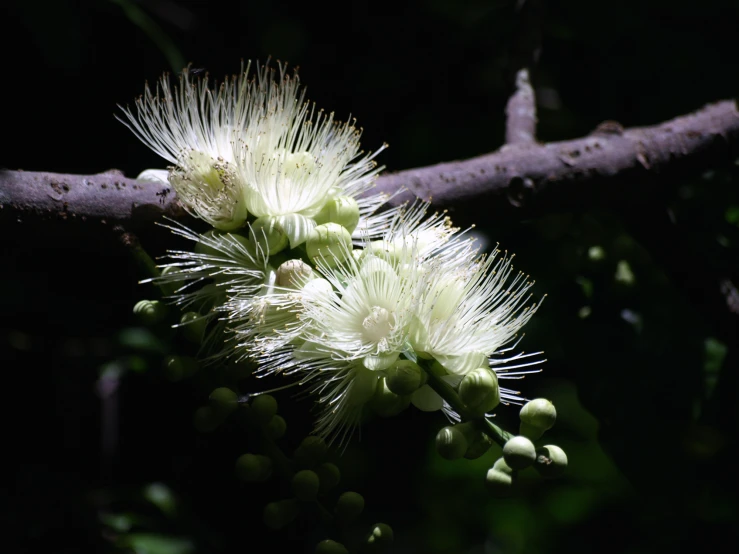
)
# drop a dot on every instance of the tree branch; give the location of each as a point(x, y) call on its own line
point(516, 182)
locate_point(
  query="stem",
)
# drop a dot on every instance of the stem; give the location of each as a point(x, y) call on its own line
point(447, 392)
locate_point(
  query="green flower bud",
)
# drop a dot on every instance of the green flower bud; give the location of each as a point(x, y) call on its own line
point(267, 235)
point(519, 452)
point(478, 443)
point(330, 547)
point(224, 400)
point(348, 507)
point(329, 476)
point(451, 443)
point(276, 427)
point(501, 465)
point(253, 468)
point(380, 537)
point(498, 483)
point(386, 403)
point(263, 408)
point(311, 451)
point(343, 210)
point(537, 416)
point(305, 485)
point(551, 461)
point(293, 274)
point(279, 514)
point(405, 377)
point(206, 419)
point(426, 399)
point(330, 244)
point(177, 368)
point(150, 311)
point(193, 326)
point(479, 391)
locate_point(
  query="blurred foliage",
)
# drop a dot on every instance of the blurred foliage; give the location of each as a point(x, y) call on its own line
point(104, 454)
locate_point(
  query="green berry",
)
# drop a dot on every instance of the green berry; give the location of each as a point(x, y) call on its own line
point(501, 465)
point(551, 461)
point(150, 311)
point(479, 391)
point(279, 514)
point(519, 452)
point(276, 427)
point(349, 506)
point(311, 452)
point(263, 408)
point(498, 483)
point(330, 547)
point(224, 400)
point(330, 244)
point(329, 476)
point(305, 485)
point(537, 416)
point(380, 537)
point(451, 443)
point(253, 468)
point(405, 377)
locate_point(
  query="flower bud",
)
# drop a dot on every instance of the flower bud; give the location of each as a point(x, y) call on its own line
point(519, 452)
point(501, 465)
point(362, 387)
point(293, 274)
point(329, 476)
point(193, 326)
point(551, 461)
point(426, 399)
point(253, 468)
point(279, 514)
point(206, 419)
point(268, 235)
point(405, 377)
point(177, 368)
point(311, 451)
point(380, 538)
point(263, 408)
point(276, 427)
point(330, 547)
point(478, 443)
point(498, 483)
point(537, 416)
point(343, 210)
point(223, 400)
point(330, 244)
point(479, 391)
point(349, 506)
point(305, 484)
point(451, 443)
point(150, 311)
point(386, 403)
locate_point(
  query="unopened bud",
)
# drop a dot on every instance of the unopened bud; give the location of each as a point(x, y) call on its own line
point(150, 311)
point(293, 274)
point(177, 368)
point(305, 484)
point(329, 244)
point(478, 443)
point(253, 468)
point(501, 465)
point(537, 416)
point(311, 451)
point(263, 408)
point(519, 452)
point(268, 235)
point(279, 514)
point(329, 476)
point(362, 387)
point(386, 403)
point(551, 461)
point(380, 538)
point(426, 399)
point(349, 506)
point(330, 547)
point(451, 443)
point(479, 391)
point(498, 483)
point(223, 400)
point(405, 377)
point(276, 427)
point(343, 210)
point(206, 419)
point(193, 326)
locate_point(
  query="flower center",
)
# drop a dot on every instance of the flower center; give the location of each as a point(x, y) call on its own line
point(378, 324)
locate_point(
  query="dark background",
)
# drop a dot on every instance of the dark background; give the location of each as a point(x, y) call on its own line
point(643, 381)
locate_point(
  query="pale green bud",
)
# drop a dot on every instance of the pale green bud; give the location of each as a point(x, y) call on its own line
point(343, 210)
point(276, 427)
point(268, 235)
point(451, 443)
point(426, 399)
point(150, 311)
point(329, 476)
point(349, 506)
point(478, 443)
point(223, 400)
point(479, 391)
point(551, 461)
point(519, 452)
point(386, 403)
point(293, 274)
point(279, 514)
point(311, 451)
point(305, 484)
point(253, 468)
point(330, 547)
point(405, 377)
point(329, 243)
point(193, 326)
point(177, 368)
point(537, 416)
point(501, 465)
point(206, 419)
point(263, 408)
point(498, 483)
point(380, 538)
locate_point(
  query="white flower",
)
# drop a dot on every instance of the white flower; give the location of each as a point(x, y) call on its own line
point(252, 145)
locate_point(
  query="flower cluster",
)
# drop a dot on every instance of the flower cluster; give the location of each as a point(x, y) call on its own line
point(369, 310)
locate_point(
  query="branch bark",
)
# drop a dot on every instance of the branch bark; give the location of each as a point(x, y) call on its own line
point(516, 182)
